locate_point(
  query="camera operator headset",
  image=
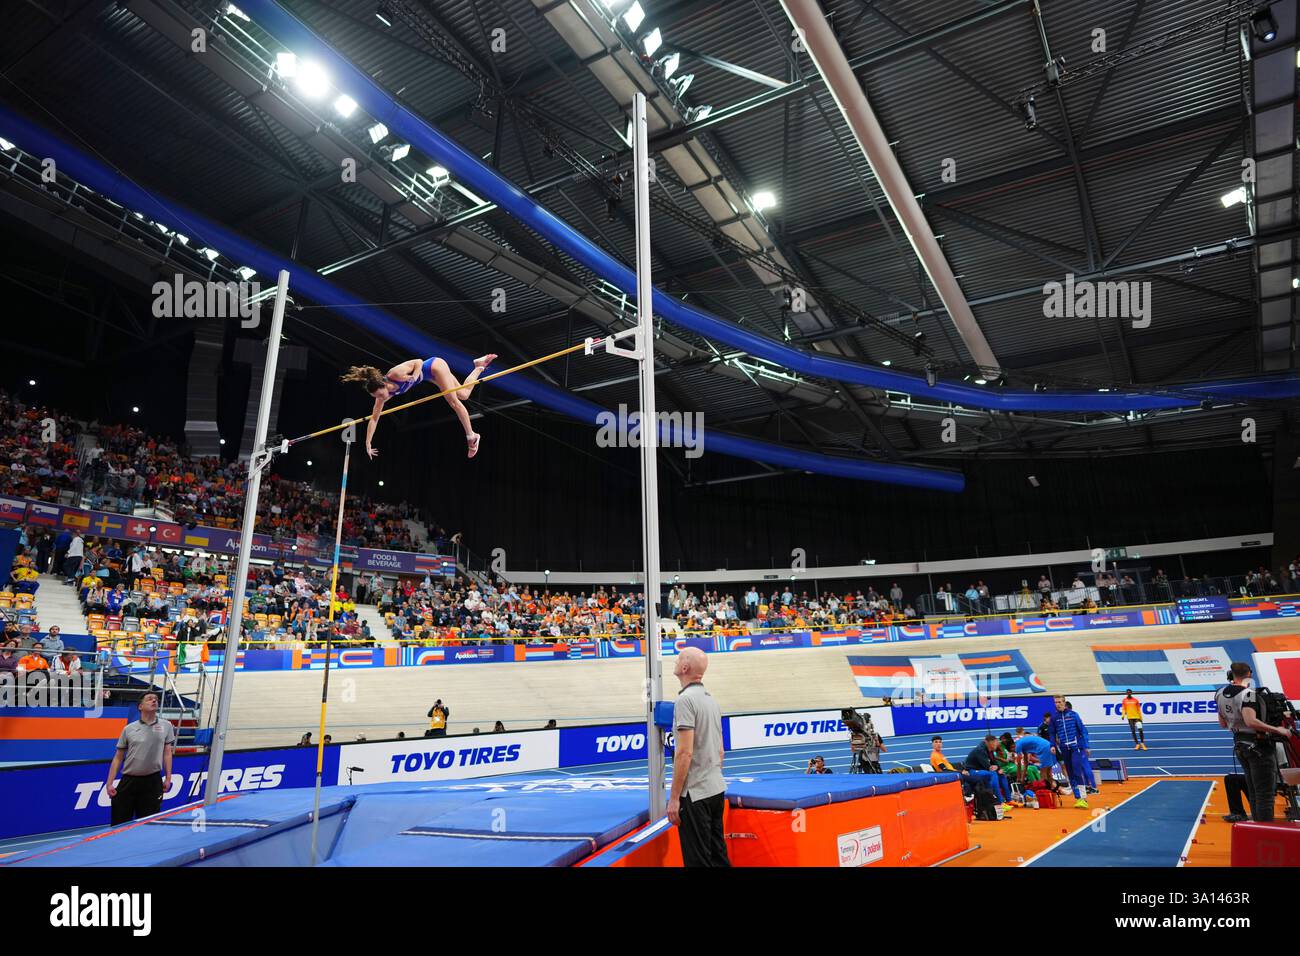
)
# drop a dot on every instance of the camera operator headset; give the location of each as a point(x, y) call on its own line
point(1254, 742)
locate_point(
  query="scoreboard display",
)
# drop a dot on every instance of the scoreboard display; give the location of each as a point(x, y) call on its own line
point(1193, 610)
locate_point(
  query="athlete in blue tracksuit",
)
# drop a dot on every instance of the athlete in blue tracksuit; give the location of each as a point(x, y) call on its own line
point(1070, 737)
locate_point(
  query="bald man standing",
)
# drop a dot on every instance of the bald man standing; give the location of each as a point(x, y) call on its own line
point(698, 793)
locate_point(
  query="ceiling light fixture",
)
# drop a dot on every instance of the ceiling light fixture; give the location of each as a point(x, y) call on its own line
point(1231, 199)
point(1264, 25)
point(634, 17)
point(313, 81)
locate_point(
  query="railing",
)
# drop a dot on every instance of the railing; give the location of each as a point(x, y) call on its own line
point(1138, 593)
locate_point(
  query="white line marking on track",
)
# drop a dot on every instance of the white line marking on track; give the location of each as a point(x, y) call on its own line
point(1087, 825)
point(1182, 857)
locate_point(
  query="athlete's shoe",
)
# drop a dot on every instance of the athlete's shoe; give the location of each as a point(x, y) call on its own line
point(1137, 746)
point(1235, 818)
point(1081, 804)
point(1144, 746)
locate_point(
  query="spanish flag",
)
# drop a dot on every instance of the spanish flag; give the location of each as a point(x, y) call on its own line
point(74, 519)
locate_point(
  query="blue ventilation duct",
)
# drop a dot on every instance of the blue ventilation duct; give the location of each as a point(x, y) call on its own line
point(485, 181)
point(108, 182)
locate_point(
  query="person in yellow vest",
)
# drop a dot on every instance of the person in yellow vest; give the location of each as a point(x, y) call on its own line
point(1131, 708)
point(438, 715)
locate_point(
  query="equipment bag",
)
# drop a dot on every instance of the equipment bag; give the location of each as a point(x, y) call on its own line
point(986, 805)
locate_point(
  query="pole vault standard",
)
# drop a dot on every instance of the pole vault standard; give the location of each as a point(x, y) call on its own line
point(349, 436)
point(260, 458)
point(645, 348)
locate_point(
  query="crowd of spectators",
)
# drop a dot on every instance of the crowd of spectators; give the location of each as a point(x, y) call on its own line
point(125, 468)
point(436, 611)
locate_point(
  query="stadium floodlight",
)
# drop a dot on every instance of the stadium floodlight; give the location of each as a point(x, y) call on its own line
point(764, 199)
point(1231, 199)
point(401, 151)
point(345, 105)
point(1264, 25)
point(136, 409)
point(377, 132)
point(697, 113)
point(161, 228)
point(683, 83)
point(5, 144)
point(652, 41)
point(308, 462)
point(223, 441)
point(635, 16)
point(381, 15)
point(234, 11)
point(246, 272)
point(183, 240)
point(313, 81)
point(439, 175)
point(381, 482)
point(210, 253)
point(31, 381)
point(670, 63)
point(286, 65)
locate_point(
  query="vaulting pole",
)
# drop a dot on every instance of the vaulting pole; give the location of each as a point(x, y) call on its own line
point(348, 437)
point(256, 462)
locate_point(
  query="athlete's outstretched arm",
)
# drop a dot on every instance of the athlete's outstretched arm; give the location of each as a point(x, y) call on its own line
point(370, 428)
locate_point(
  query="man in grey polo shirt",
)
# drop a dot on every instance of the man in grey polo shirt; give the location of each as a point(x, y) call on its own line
point(698, 792)
point(144, 755)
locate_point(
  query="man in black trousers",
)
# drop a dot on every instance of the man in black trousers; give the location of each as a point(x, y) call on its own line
point(698, 794)
point(144, 755)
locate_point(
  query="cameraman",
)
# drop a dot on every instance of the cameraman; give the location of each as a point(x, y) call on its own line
point(1239, 712)
point(818, 765)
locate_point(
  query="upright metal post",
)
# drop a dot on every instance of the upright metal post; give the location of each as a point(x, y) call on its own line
point(649, 457)
point(256, 462)
point(329, 642)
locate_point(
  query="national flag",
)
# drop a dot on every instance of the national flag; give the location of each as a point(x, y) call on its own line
point(76, 519)
point(196, 540)
point(12, 509)
point(136, 530)
point(105, 524)
point(168, 533)
point(43, 514)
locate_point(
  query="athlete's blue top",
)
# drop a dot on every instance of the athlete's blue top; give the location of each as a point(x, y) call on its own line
point(426, 372)
point(1037, 746)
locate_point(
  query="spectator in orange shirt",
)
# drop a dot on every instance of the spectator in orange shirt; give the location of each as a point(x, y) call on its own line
point(35, 660)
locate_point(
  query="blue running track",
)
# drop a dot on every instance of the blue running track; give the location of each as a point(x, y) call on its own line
point(1150, 829)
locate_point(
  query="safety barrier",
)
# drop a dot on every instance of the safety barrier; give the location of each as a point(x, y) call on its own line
point(40, 799)
point(592, 648)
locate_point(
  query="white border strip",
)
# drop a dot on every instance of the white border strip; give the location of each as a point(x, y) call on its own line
point(1182, 857)
point(1088, 825)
